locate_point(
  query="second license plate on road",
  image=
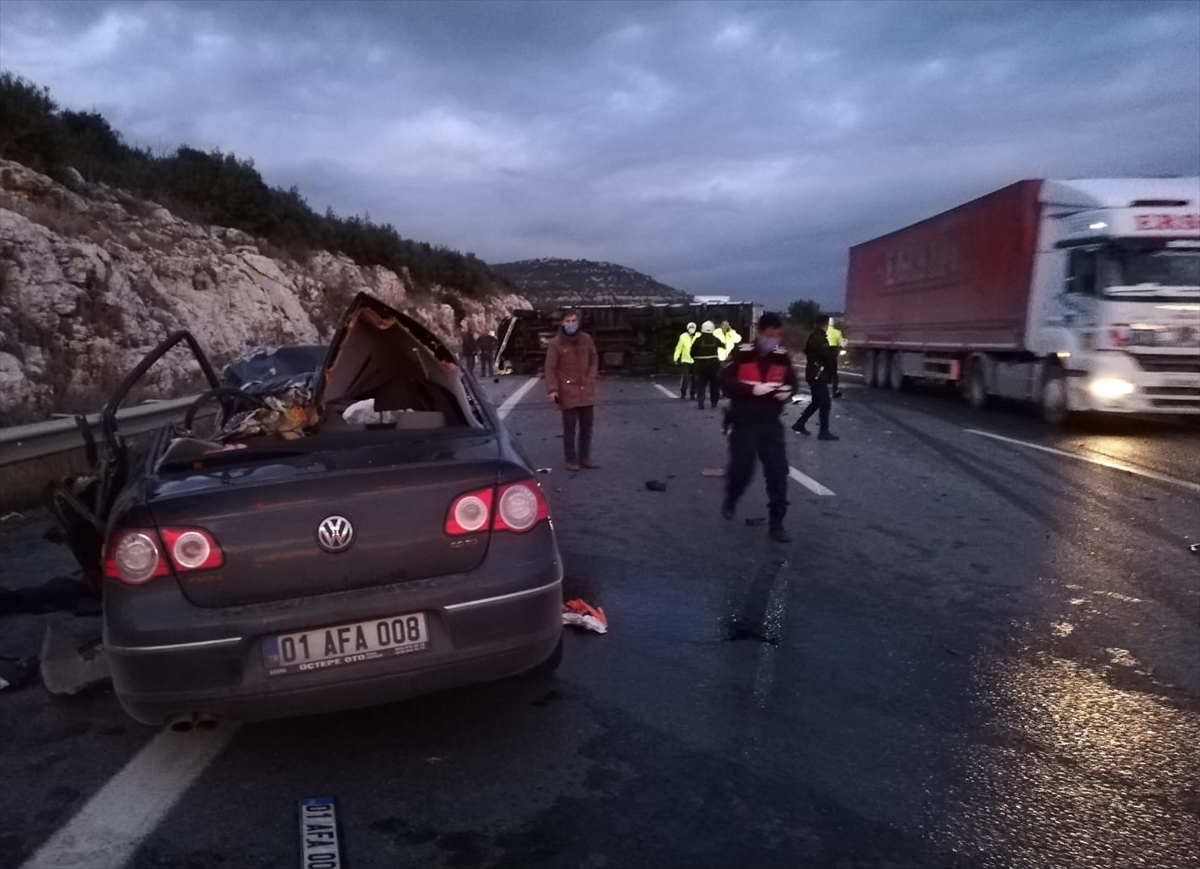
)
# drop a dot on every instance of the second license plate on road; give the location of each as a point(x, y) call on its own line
point(341, 645)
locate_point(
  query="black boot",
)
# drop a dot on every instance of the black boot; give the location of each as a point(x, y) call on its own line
point(827, 436)
point(798, 428)
point(727, 509)
point(777, 533)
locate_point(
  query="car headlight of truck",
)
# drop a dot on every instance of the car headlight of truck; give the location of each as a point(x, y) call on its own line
point(1110, 388)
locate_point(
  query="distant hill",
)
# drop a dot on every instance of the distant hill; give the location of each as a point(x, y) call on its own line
point(556, 282)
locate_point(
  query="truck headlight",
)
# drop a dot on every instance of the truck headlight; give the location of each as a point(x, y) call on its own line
point(1109, 388)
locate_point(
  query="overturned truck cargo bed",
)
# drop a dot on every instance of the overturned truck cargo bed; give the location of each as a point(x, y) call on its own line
point(631, 339)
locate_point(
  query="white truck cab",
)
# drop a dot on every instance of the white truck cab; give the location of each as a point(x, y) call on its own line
point(1116, 296)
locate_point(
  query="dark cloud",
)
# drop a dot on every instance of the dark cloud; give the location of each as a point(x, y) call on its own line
point(720, 147)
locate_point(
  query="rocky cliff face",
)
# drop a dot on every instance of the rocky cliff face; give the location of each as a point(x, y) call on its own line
point(92, 278)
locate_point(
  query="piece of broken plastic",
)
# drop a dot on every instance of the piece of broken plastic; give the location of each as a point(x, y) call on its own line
point(656, 485)
point(580, 613)
point(713, 472)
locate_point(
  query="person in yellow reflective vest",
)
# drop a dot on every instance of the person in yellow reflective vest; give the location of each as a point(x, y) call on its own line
point(728, 338)
point(683, 356)
point(837, 342)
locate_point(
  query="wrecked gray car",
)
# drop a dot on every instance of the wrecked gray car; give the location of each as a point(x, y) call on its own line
point(306, 540)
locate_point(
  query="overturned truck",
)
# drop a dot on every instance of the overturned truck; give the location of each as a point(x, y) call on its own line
point(631, 339)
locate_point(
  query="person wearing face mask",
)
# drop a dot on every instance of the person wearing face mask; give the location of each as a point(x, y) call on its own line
point(706, 350)
point(572, 366)
point(759, 380)
point(683, 356)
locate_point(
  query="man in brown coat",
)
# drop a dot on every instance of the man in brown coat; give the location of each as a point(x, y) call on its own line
point(572, 367)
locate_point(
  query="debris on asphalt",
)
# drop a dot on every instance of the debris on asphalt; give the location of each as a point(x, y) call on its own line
point(713, 472)
point(581, 614)
point(319, 845)
point(756, 522)
point(1195, 548)
point(12, 515)
point(544, 470)
point(656, 485)
point(73, 656)
point(16, 673)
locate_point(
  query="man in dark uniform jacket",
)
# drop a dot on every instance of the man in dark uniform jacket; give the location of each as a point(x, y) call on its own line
point(759, 380)
point(822, 361)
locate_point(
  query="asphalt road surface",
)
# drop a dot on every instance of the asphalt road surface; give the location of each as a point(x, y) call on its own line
point(982, 650)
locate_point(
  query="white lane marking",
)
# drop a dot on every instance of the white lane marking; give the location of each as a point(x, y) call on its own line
point(809, 483)
point(1104, 463)
point(851, 374)
point(109, 828)
point(668, 393)
point(506, 408)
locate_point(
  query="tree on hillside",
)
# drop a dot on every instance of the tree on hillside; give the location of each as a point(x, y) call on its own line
point(217, 188)
point(30, 131)
point(803, 312)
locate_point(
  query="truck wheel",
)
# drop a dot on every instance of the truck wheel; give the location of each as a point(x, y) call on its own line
point(1056, 408)
point(869, 373)
point(977, 394)
point(881, 361)
point(896, 378)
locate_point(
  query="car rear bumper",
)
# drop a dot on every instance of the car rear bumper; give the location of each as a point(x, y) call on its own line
point(216, 666)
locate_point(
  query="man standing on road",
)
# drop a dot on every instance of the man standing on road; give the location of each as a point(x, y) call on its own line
point(683, 356)
point(572, 366)
point(821, 360)
point(728, 338)
point(487, 354)
point(706, 357)
point(836, 342)
point(759, 380)
point(470, 349)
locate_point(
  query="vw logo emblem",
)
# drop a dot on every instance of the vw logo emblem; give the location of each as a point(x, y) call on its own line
point(335, 533)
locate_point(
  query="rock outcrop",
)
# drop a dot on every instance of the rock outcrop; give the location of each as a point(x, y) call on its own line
point(92, 278)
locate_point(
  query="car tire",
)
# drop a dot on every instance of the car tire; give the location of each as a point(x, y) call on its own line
point(1055, 401)
point(549, 665)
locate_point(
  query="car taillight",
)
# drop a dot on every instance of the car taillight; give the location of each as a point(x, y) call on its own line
point(470, 513)
point(192, 549)
point(520, 507)
point(137, 555)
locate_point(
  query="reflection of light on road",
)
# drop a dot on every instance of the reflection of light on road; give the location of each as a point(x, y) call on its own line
point(1088, 774)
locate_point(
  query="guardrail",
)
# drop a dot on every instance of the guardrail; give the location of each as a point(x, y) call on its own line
point(32, 455)
point(21, 443)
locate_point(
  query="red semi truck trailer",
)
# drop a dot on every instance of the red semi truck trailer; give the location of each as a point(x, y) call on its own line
point(1081, 295)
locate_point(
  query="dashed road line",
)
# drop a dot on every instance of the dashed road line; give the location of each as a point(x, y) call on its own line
point(1104, 463)
point(809, 483)
point(668, 393)
point(108, 829)
point(511, 402)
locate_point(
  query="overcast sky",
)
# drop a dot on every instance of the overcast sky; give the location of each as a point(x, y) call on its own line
point(722, 148)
